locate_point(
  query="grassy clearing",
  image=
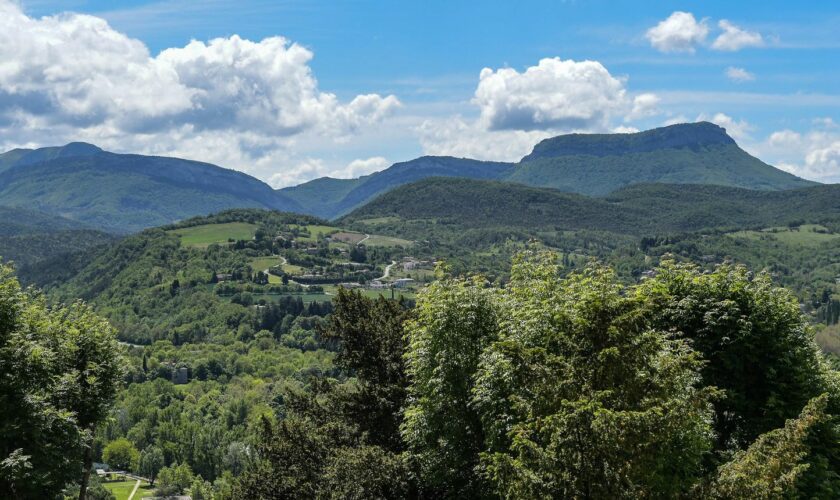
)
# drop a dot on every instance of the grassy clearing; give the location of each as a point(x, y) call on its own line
point(379, 220)
point(203, 236)
point(314, 231)
point(374, 294)
point(808, 235)
point(122, 489)
point(263, 263)
point(376, 240)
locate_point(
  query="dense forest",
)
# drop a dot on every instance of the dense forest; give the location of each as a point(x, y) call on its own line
point(556, 384)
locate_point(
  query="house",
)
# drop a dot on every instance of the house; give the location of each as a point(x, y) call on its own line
point(223, 277)
point(378, 285)
point(312, 250)
point(350, 285)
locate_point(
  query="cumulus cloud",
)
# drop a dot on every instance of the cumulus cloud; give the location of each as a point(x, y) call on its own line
point(644, 105)
point(812, 154)
point(555, 93)
point(518, 109)
point(73, 76)
point(738, 129)
point(680, 32)
point(360, 167)
point(734, 38)
point(739, 75)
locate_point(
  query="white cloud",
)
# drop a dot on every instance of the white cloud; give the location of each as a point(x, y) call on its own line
point(680, 32)
point(359, 167)
point(737, 129)
point(471, 139)
point(518, 109)
point(644, 105)
point(739, 75)
point(813, 154)
point(553, 94)
point(785, 139)
point(241, 103)
point(734, 38)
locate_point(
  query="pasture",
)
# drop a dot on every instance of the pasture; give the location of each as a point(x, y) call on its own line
point(207, 234)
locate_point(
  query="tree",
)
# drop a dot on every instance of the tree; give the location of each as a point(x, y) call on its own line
point(580, 398)
point(758, 348)
point(770, 467)
point(370, 337)
point(59, 372)
point(121, 454)
point(455, 320)
point(175, 479)
point(150, 463)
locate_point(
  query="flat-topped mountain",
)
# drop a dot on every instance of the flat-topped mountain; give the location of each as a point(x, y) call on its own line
point(593, 164)
point(124, 193)
point(694, 136)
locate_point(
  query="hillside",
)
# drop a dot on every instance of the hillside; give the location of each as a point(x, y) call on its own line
point(123, 193)
point(636, 210)
point(592, 164)
point(327, 197)
point(695, 153)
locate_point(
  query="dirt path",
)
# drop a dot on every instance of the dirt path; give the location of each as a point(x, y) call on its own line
point(387, 270)
point(363, 239)
point(136, 487)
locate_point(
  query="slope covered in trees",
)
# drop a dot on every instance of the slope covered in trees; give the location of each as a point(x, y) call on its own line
point(123, 193)
point(642, 209)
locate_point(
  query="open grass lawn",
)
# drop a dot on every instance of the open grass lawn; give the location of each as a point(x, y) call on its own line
point(808, 234)
point(121, 489)
point(263, 263)
point(376, 240)
point(314, 231)
point(292, 269)
point(203, 236)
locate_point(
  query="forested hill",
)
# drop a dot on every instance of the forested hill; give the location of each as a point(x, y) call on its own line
point(593, 164)
point(124, 193)
point(327, 197)
point(638, 210)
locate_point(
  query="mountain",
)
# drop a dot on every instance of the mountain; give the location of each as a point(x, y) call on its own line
point(636, 210)
point(592, 164)
point(123, 193)
point(688, 153)
point(18, 221)
point(327, 197)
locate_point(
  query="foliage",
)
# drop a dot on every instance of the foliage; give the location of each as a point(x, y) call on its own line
point(579, 397)
point(455, 320)
point(770, 467)
point(61, 368)
point(121, 455)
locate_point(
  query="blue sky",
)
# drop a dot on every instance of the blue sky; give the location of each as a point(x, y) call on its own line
point(772, 80)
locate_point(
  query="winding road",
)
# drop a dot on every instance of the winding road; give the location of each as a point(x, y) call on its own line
point(387, 270)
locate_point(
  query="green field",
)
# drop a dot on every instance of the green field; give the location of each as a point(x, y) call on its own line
point(807, 234)
point(314, 231)
point(263, 263)
point(376, 240)
point(373, 294)
point(121, 489)
point(203, 236)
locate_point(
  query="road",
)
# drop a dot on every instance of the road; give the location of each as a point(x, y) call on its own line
point(387, 270)
point(363, 239)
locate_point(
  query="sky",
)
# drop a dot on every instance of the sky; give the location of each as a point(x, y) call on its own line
point(292, 90)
